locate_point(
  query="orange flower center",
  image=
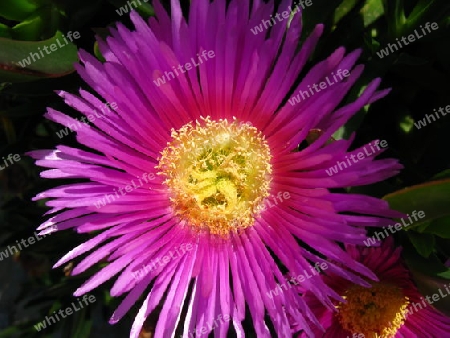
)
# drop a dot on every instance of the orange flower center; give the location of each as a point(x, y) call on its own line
point(376, 312)
point(218, 174)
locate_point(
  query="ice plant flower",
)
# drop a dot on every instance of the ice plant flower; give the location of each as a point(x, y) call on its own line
point(391, 307)
point(196, 190)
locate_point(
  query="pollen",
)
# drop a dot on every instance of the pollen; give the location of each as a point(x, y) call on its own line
point(218, 174)
point(376, 312)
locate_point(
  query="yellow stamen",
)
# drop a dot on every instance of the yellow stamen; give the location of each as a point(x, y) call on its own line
point(218, 174)
point(376, 312)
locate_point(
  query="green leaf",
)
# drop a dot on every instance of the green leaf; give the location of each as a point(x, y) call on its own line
point(30, 29)
point(433, 198)
point(395, 15)
point(442, 174)
point(344, 8)
point(420, 12)
point(146, 10)
point(16, 58)
point(430, 266)
point(407, 123)
point(422, 228)
point(371, 11)
point(439, 227)
point(97, 52)
point(424, 243)
point(17, 9)
point(9, 332)
point(5, 31)
point(41, 24)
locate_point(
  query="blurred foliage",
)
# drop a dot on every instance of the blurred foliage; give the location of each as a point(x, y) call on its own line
point(418, 75)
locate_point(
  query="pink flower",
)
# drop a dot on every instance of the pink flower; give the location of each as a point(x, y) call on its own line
point(391, 307)
point(218, 143)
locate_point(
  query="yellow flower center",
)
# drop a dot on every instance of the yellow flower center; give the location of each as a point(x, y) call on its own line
point(218, 174)
point(376, 312)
